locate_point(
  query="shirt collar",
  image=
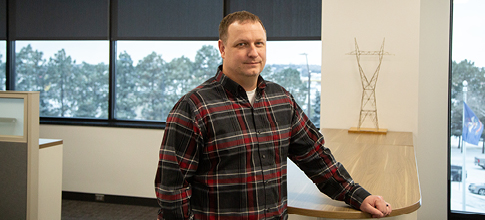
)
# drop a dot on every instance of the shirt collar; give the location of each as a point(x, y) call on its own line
point(234, 87)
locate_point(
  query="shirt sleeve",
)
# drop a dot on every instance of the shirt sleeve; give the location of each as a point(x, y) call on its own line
point(178, 161)
point(307, 151)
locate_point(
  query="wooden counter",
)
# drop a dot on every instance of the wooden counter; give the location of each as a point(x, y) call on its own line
point(384, 164)
point(43, 143)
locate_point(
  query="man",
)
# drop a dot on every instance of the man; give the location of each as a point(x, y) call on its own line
point(226, 143)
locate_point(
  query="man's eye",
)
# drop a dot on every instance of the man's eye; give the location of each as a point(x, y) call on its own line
point(241, 44)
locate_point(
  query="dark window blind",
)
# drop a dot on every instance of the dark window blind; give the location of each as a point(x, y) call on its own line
point(3, 19)
point(59, 20)
point(168, 19)
point(284, 19)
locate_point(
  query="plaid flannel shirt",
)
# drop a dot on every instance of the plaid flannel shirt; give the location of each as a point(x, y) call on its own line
point(222, 158)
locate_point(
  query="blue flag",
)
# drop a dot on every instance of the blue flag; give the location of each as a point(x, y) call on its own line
point(472, 128)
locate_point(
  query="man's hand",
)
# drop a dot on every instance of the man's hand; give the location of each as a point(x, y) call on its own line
point(376, 206)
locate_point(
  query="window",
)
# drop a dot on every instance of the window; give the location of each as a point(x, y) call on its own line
point(3, 44)
point(152, 75)
point(289, 64)
point(467, 156)
point(3, 76)
point(126, 63)
point(72, 76)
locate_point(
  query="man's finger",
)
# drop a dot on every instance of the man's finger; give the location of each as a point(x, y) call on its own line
point(376, 213)
point(388, 209)
point(382, 205)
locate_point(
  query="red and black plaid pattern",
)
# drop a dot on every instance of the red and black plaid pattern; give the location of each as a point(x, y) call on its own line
point(222, 158)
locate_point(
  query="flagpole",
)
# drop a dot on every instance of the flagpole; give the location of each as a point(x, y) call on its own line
point(463, 173)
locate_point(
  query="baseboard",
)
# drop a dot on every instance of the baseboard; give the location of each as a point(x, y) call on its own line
point(116, 199)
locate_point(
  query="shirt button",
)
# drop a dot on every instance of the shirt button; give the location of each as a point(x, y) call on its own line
point(264, 156)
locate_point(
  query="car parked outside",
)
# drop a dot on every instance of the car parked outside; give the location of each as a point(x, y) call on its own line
point(480, 161)
point(478, 188)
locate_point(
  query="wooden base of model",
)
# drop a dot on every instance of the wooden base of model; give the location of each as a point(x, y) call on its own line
point(368, 130)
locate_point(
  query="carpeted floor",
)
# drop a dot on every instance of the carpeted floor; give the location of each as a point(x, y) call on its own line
point(77, 210)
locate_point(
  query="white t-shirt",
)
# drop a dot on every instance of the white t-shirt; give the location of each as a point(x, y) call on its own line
point(251, 96)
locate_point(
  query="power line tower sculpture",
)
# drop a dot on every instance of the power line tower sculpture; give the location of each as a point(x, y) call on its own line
point(368, 107)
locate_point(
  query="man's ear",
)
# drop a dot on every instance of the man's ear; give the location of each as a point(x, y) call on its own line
point(222, 49)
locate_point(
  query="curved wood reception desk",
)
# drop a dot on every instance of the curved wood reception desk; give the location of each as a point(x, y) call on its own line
point(384, 164)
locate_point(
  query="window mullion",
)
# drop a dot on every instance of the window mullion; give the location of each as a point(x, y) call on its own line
point(10, 66)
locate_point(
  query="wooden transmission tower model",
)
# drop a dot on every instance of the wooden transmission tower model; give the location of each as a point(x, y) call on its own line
point(368, 107)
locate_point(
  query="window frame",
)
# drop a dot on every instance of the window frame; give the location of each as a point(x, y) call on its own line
point(453, 214)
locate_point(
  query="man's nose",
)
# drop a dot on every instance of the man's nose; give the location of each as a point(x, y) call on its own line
point(253, 51)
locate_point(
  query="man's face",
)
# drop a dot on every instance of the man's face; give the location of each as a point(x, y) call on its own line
point(244, 52)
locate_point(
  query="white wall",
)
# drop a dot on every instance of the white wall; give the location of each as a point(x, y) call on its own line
point(370, 22)
point(431, 137)
point(411, 96)
point(112, 161)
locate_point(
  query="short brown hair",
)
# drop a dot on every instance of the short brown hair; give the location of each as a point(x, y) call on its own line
point(239, 16)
